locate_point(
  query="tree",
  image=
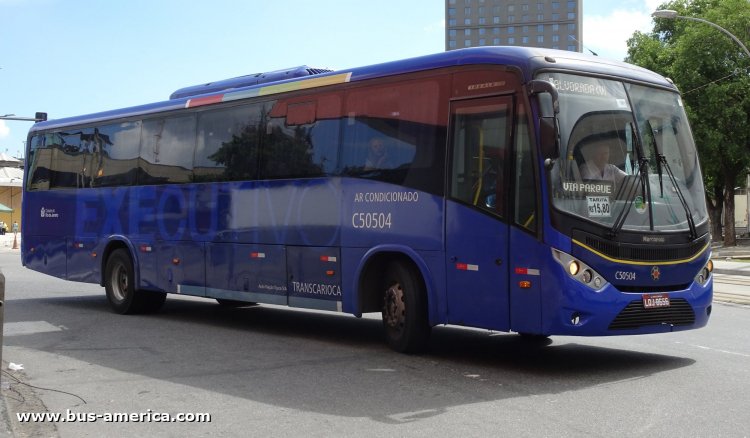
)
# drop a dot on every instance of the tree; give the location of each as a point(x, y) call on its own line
point(713, 73)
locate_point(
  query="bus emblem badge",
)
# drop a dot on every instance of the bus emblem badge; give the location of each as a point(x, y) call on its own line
point(655, 273)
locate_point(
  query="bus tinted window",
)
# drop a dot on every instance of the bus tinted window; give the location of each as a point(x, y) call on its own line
point(301, 146)
point(392, 133)
point(68, 166)
point(39, 159)
point(228, 142)
point(167, 150)
point(113, 154)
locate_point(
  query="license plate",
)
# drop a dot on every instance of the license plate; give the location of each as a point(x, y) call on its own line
point(655, 301)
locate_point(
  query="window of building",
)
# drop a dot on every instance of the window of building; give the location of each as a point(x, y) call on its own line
point(571, 15)
point(482, 21)
point(540, 38)
point(451, 12)
point(496, 20)
point(571, 5)
point(555, 38)
point(467, 43)
point(525, 40)
point(482, 42)
point(555, 5)
point(467, 22)
point(452, 44)
point(572, 48)
point(496, 41)
point(511, 40)
point(540, 28)
point(511, 29)
point(467, 32)
point(467, 11)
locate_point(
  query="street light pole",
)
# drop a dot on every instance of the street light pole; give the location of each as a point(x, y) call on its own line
point(671, 15)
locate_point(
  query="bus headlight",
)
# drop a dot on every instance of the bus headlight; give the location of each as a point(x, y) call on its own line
point(579, 271)
point(705, 273)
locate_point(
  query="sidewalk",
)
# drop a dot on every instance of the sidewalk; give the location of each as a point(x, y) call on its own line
point(6, 241)
point(733, 260)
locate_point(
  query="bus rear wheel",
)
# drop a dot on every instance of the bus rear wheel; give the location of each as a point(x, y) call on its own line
point(405, 309)
point(119, 283)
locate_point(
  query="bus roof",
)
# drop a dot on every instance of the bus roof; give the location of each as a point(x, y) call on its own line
point(528, 59)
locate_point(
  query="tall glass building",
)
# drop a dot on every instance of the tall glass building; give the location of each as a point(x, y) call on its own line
point(555, 24)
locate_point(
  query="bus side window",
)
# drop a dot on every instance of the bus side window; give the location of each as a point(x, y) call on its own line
point(167, 150)
point(39, 159)
point(228, 143)
point(114, 154)
point(481, 134)
point(525, 183)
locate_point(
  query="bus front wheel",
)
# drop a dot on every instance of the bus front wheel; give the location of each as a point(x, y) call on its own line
point(119, 283)
point(405, 309)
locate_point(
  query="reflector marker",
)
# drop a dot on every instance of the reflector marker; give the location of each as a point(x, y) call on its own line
point(257, 255)
point(145, 248)
point(78, 245)
point(466, 267)
point(527, 271)
point(327, 259)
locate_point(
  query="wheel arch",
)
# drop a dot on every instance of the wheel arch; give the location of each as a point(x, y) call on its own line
point(114, 243)
point(372, 269)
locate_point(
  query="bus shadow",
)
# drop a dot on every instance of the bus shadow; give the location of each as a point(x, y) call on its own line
point(293, 359)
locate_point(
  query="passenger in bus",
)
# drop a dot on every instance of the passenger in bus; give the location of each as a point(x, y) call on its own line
point(377, 155)
point(596, 164)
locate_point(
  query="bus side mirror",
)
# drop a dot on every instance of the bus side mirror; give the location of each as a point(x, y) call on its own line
point(549, 107)
point(40, 117)
point(549, 137)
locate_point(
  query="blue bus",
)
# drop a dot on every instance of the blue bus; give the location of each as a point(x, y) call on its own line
point(513, 189)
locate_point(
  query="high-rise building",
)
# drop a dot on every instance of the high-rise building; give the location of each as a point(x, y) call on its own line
point(555, 24)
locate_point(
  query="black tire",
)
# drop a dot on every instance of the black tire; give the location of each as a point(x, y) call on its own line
point(405, 320)
point(119, 282)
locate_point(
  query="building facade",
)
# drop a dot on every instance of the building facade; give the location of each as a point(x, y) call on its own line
point(554, 24)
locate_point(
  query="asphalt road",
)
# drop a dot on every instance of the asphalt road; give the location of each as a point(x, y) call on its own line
point(270, 371)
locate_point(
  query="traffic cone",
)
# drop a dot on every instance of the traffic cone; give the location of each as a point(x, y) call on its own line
point(15, 240)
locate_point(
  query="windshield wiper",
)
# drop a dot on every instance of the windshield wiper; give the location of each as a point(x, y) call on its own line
point(629, 190)
point(631, 187)
point(662, 163)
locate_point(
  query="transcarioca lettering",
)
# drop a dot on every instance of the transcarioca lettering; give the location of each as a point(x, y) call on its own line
point(316, 288)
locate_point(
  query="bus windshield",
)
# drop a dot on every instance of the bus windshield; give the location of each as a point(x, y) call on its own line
point(627, 158)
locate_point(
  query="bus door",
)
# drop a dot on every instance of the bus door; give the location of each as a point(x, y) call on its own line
point(477, 232)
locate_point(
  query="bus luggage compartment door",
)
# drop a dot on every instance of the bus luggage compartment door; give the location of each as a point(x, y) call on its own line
point(314, 277)
point(182, 267)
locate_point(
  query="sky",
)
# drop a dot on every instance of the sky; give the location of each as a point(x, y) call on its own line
point(73, 57)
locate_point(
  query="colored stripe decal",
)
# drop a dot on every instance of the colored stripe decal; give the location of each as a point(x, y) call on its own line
point(306, 83)
point(200, 101)
point(271, 89)
point(650, 263)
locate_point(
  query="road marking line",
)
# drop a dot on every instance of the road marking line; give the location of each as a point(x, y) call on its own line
point(29, 328)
